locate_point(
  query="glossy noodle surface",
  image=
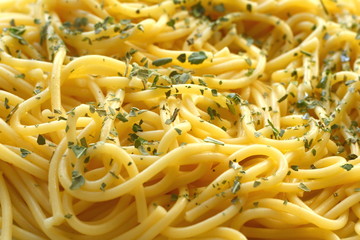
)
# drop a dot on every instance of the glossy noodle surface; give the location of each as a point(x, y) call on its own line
point(179, 119)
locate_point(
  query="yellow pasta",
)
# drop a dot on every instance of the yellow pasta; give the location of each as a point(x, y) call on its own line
point(179, 119)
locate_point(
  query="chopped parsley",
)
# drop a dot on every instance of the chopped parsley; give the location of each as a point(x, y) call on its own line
point(137, 127)
point(197, 10)
point(276, 132)
point(347, 166)
point(121, 117)
point(178, 131)
point(181, 58)
point(256, 184)
point(213, 140)
point(171, 23)
point(249, 7)
point(21, 75)
point(77, 180)
point(234, 165)
point(322, 82)
point(250, 72)
point(236, 187)
point(24, 152)
point(40, 140)
point(78, 150)
point(173, 116)
point(351, 156)
point(303, 187)
point(161, 61)
point(219, 8)
point(17, 32)
point(295, 167)
point(103, 186)
point(306, 53)
point(6, 103)
point(282, 98)
point(197, 57)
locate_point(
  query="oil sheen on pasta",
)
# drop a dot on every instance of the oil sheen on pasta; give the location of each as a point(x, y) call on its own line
point(179, 119)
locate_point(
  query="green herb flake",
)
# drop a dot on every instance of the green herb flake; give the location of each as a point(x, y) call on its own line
point(347, 83)
point(17, 32)
point(87, 159)
point(83, 142)
point(282, 98)
point(248, 61)
point(173, 116)
point(295, 167)
point(324, 7)
point(57, 111)
point(234, 165)
point(250, 72)
point(219, 8)
point(351, 156)
point(156, 79)
point(256, 184)
point(77, 180)
point(103, 186)
point(181, 58)
point(211, 112)
point(113, 174)
point(275, 131)
point(78, 150)
point(344, 57)
point(313, 152)
point(161, 61)
point(178, 131)
point(347, 166)
point(43, 32)
point(101, 112)
point(40, 140)
point(234, 97)
point(183, 78)
point(202, 83)
point(303, 187)
point(141, 27)
point(21, 75)
point(80, 22)
point(24, 152)
point(197, 10)
point(236, 187)
point(357, 37)
point(68, 216)
point(214, 92)
point(133, 111)
point(197, 57)
point(326, 36)
point(171, 23)
point(257, 134)
point(6, 103)
point(249, 7)
point(137, 128)
point(306, 53)
point(213, 140)
point(121, 117)
point(174, 197)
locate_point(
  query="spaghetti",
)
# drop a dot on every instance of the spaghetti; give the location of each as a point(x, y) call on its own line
point(179, 119)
